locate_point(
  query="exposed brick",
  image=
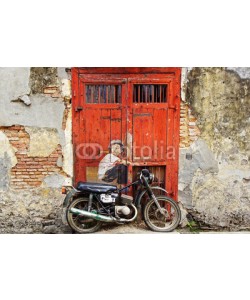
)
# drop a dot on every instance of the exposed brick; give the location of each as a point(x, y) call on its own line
point(54, 169)
point(54, 155)
point(30, 171)
point(35, 183)
point(21, 166)
point(13, 139)
point(24, 176)
point(30, 179)
point(22, 135)
point(34, 166)
point(189, 131)
point(16, 127)
point(40, 159)
point(50, 90)
point(16, 179)
point(19, 170)
point(23, 152)
point(50, 164)
point(25, 158)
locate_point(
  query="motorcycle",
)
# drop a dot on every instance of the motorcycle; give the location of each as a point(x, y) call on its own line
point(88, 205)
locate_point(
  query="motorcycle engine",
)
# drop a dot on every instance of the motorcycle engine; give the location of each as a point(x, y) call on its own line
point(117, 206)
point(125, 211)
point(122, 211)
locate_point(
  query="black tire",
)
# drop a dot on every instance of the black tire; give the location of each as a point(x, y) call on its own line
point(81, 224)
point(152, 215)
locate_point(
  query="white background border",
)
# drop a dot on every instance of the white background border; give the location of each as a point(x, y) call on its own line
point(124, 33)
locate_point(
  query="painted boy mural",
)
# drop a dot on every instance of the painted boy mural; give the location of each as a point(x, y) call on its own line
point(112, 167)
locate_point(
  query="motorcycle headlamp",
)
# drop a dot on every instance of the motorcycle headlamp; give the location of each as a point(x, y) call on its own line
point(147, 175)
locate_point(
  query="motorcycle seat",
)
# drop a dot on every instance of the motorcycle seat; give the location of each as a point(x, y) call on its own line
point(94, 187)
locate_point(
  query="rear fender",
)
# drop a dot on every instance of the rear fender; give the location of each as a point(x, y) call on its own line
point(69, 197)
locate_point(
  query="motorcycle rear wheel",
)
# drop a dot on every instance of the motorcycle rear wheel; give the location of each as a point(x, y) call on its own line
point(81, 224)
point(158, 222)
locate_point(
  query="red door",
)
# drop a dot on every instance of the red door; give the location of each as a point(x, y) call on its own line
point(136, 107)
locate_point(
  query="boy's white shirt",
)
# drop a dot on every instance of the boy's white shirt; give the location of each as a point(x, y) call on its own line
point(106, 164)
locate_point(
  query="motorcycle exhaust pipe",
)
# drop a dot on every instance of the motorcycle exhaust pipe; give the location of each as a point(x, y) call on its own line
point(91, 215)
point(101, 217)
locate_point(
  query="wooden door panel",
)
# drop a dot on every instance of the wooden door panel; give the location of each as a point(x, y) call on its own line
point(102, 126)
point(148, 126)
point(116, 124)
point(149, 134)
point(160, 134)
point(104, 132)
point(143, 123)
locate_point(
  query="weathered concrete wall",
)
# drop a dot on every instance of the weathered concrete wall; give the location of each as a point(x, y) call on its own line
point(36, 211)
point(214, 175)
point(35, 148)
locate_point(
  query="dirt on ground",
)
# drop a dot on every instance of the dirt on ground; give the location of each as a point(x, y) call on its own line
point(135, 228)
point(141, 228)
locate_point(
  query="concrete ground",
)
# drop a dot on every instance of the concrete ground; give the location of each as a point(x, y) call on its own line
point(127, 228)
point(141, 228)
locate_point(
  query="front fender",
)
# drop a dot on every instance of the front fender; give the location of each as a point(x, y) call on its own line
point(138, 200)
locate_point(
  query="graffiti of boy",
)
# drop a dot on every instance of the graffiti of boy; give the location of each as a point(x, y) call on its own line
point(112, 167)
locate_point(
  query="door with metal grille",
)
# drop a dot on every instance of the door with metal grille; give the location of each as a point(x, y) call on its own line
point(137, 108)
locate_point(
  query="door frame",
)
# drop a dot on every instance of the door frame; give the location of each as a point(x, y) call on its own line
point(173, 122)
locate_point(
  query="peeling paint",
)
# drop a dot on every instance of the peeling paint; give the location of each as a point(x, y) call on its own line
point(13, 84)
point(45, 111)
point(242, 72)
point(7, 149)
point(7, 161)
point(43, 141)
point(67, 148)
point(220, 100)
point(66, 88)
point(25, 99)
point(54, 181)
point(40, 78)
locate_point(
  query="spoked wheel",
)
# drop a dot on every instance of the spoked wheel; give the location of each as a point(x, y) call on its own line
point(82, 224)
point(157, 221)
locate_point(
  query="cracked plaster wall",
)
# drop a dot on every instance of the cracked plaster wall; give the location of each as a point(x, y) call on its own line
point(39, 100)
point(7, 160)
point(214, 173)
point(44, 111)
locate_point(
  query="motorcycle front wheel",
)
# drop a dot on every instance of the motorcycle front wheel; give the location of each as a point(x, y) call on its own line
point(82, 224)
point(157, 221)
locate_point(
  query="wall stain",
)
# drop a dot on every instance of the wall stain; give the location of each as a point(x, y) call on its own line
point(40, 78)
